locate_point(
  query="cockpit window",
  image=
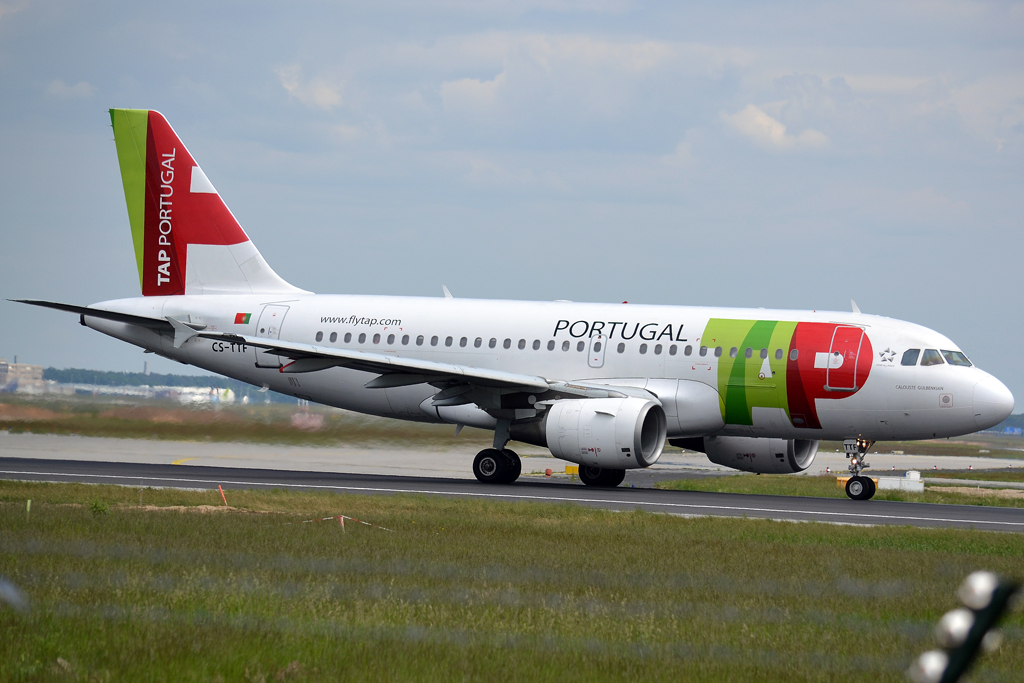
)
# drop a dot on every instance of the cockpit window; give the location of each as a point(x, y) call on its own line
point(956, 358)
point(910, 357)
point(931, 357)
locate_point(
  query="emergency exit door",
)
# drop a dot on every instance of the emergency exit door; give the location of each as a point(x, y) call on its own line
point(269, 327)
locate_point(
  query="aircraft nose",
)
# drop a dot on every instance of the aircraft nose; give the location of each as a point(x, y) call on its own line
point(993, 402)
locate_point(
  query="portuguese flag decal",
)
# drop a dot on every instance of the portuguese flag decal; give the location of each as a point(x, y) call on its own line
point(242, 318)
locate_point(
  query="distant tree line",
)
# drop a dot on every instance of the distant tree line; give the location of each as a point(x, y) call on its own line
point(138, 379)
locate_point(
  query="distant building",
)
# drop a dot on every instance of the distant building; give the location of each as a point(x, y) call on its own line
point(22, 377)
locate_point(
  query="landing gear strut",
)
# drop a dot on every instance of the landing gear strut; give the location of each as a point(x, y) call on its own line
point(858, 487)
point(596, 476)
point(498, 465)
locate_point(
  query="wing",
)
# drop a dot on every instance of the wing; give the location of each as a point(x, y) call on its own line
point(396, 371)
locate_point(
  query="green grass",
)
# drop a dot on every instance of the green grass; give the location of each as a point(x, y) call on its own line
point(823, 487)
point(254, 423)
point(466, 590)
point(993, 445)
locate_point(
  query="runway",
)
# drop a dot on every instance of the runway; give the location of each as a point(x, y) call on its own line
point(527, 489)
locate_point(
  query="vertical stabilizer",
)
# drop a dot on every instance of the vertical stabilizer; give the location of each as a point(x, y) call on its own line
point(186, 239)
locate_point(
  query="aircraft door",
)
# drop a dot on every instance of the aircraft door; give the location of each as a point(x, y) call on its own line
point(843, 356)
point(596, 351)
point(269, 327)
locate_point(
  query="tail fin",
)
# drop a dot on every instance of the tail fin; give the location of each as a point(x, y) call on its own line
point(186, 240)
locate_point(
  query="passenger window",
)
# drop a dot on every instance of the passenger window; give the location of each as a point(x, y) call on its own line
point(405, 340)
point(551, 345)
point(319, 336)
point(764, 353)
point(463, 342)
point(491, 344)
point(621, 348)
point(672, 350)
point(348, 337)
point(794, 354)
point(910, 357)
point(362, 337)
point(334, 337)
point(433, 340)
point(597, 347)
point(733, 352)
point(391, 339)
point(718, 351)
point(448, 341)
point(778, 354)
point(657, 349)
point(565, 345)
point(522, 344)
point(703, 351)
point(689, 350)
point(376, 339)
point(643, 348)
point(419, 340)
point(956, 358)
point(931, 357)
point(749, 353)
point(507, 343)
point(580, 346)
point(477, 343)
point(536, 344)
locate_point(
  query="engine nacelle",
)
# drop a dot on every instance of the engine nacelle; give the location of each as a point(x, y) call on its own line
point(610, 433)
point(761, 455)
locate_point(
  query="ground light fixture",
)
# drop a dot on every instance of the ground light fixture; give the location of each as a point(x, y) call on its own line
point(965, 631)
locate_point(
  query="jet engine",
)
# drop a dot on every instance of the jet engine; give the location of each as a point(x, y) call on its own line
point(761, 455)
point(610, 433)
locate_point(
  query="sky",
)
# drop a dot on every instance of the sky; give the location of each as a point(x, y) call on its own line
point(778, 154)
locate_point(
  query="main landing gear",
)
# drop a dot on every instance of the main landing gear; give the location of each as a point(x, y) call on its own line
point(494, 466)
point(498, 465)
point(858, 487)
point(596, 476)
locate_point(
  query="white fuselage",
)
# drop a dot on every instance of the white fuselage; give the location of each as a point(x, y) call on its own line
point(657, 348)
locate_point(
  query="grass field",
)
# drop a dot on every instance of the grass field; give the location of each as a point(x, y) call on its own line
point(825, 487)
point(271, 423)
point(254, 423)
point(465, 590)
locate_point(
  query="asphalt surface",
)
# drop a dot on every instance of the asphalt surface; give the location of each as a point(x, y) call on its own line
point(527, 489)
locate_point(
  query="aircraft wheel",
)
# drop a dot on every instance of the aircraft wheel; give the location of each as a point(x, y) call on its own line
point(860, 488)
point(871, 488)
point(491, 466)
point(515, 466)
point(596, 476)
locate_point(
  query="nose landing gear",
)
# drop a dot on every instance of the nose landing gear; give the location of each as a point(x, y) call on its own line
point(858, 487)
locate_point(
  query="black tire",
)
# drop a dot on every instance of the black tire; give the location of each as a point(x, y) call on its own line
point(491, 466)
point(591, 476)
point(515, 466)
point(871, 488)
point(860, 488)
point(596, 476)
point(614, 478)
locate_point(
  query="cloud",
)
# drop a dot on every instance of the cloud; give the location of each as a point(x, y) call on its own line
point(317, 93)
point(471, 95)
point(770, 133)
point(62, 91)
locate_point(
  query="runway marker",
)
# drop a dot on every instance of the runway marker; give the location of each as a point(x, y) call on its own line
point(557, 499)
point(180, 461)
point(222, 494)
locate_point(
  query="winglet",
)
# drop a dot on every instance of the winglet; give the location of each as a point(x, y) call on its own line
point(447, 294)
point(856, 308)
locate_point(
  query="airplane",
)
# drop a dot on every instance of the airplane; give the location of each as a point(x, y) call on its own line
point(604, 386)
